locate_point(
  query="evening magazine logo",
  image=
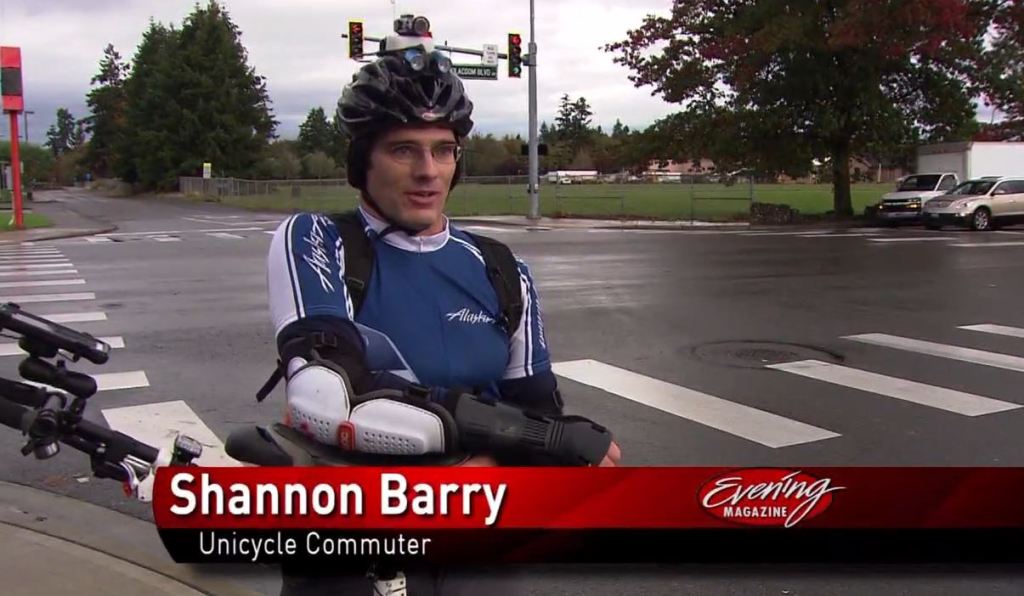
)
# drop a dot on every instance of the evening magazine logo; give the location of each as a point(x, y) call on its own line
point(767, 496)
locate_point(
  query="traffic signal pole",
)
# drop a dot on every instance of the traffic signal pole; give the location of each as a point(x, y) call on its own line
point(531, 63)
point(19, 222)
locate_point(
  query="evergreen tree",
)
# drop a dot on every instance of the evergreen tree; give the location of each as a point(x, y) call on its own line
point(105, 122)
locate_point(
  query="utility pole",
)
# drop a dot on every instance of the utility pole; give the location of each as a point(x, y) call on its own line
point(531, 63)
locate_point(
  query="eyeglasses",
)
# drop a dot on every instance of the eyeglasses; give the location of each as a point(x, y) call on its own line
point(447, 153)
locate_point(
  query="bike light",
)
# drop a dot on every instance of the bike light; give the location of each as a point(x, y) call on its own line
point(421, 26)
point(442, 63)
point(416, 59)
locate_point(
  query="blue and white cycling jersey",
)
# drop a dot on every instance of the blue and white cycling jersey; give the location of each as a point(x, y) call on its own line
point(430, 313)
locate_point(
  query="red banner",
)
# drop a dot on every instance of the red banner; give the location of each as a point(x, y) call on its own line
point(351, 498)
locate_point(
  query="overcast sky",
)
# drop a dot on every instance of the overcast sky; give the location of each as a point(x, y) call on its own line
point(296, 45)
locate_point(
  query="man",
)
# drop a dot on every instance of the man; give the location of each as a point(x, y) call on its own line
point(430, 319)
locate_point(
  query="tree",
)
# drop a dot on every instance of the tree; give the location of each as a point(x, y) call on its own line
point(839, 77)
point(1004, 87)
point(315, 133)
point(192, 98)
point(318, 165)
point(60, 137)
point(106, 121)
point(149, 146)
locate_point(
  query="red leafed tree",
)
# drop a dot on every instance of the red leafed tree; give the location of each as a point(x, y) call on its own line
point(777, 83)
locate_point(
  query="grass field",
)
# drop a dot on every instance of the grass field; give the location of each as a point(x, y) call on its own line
point(32, 220)
point(709, 202)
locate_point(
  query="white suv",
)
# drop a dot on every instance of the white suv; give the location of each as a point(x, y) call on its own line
point(904, 204)
point(981, 204)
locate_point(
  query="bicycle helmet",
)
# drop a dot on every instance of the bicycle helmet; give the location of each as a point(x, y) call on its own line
point(389, 92)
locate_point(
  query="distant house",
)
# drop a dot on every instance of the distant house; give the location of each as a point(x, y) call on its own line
point(572, 176)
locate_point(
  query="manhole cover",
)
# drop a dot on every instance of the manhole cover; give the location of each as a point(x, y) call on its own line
point(758, 354)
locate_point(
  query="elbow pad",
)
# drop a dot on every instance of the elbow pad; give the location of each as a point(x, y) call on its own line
point(322, 405)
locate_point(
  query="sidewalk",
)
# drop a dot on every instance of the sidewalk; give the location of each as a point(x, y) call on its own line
point(66, 222)
point(52, 544)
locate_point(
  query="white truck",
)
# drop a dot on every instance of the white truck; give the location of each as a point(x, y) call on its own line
point(912, 192)
point(971, 160)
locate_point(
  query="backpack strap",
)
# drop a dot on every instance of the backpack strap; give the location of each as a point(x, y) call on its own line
point(358, 255)
point(503, 272)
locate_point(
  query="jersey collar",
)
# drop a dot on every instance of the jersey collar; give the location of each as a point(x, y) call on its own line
point(403, 241)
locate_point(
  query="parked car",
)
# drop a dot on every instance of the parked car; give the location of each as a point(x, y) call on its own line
point(980, 204)
point(905, 203)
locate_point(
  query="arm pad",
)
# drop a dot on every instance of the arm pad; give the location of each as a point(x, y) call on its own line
point(489, 426)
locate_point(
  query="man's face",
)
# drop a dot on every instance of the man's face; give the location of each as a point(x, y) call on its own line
point(410, 172)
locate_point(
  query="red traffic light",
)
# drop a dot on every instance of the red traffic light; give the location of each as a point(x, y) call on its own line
point(514, 39)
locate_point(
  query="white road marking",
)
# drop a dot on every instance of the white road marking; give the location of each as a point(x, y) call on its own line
point(941, 398)
point(271, 232)
point(157, 424)
point(971, 355)
point(921, 239)
point(226, 236)
point(39, 266)
point(12, 349)
point(736, 419)
point(47, 252)
point(169, 232)
point(35, 259)
point(845, 235)
point(77, 317)
point(166, 239)
point(38, 272)
point(985, 244)
point(97, 239)
point(134, 379)
point(30, 298)
point(995, 329)
point(41, 283)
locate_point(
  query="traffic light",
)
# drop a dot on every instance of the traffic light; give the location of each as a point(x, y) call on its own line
point(515, 56)
point(10, 79)
point(355, 40)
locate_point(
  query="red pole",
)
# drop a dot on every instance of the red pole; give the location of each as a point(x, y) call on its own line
point(16, 172)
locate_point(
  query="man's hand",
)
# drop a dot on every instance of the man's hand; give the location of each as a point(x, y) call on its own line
point(480, 461)
point(612, 458)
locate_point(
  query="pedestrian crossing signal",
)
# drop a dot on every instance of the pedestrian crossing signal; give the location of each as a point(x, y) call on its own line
point(355, 40)
point(515, 56)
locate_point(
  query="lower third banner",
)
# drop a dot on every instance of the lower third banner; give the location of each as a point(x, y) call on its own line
point(352, 517)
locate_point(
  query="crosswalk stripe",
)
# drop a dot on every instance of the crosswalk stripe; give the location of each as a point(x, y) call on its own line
point(226, 236)
point(12, 349)
point(941, 398)
point(97, 239)
point(971, 355)
point(166, 239)
point(39, 266)
point(35, 259)
point(41, 283)
point(77, 317)
point(271, 232)
point(985, 244)
point(29, 253)
point(30, 298)
point(736, 419)
point(38, 272)
point(921, 239)
point(157, 424)
point(846, 235)
point(995, 329)
point(133, 379)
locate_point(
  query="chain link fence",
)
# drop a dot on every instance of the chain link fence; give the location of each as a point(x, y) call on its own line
point(673, 197)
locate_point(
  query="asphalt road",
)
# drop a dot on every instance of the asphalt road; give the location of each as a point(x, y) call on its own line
point(697, 348)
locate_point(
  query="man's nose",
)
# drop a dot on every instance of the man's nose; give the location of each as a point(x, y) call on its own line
point(426, 166)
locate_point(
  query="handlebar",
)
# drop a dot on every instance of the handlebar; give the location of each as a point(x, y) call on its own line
point(48, 415)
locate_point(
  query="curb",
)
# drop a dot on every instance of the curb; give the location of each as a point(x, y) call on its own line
point(110, 533)
point(56, 235)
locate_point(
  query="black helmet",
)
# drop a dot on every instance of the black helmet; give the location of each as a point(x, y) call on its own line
point(388, 92)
